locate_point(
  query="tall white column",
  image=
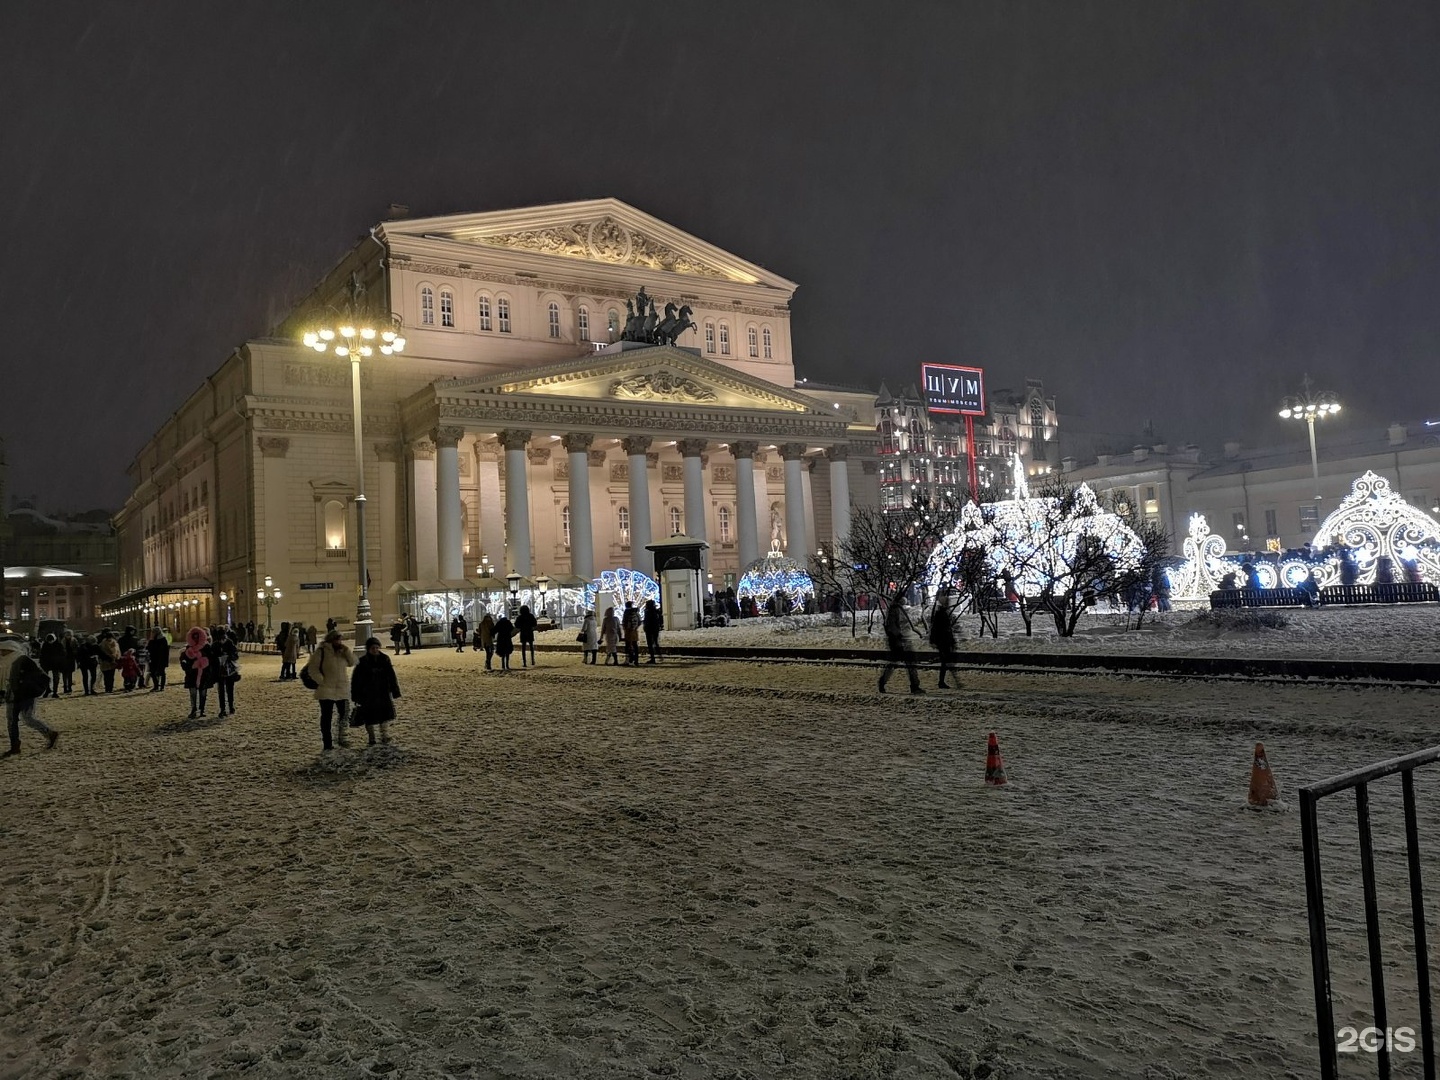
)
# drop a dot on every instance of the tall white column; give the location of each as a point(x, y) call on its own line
point(793, 455)
point(449, 534)
point(424, 556)
point(274, 539)
point(387, 514)
point(582, 542)
point(746, 526)
point(517, 501)
point(807, 485)
point(839, 492)
point(492, 510)
point(635, 448)
point(690, 451)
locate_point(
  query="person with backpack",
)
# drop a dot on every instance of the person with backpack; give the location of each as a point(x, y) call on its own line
point(25, 682)
point(329, 670)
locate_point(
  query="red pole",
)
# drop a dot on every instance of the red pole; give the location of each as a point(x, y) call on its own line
point(970, 458)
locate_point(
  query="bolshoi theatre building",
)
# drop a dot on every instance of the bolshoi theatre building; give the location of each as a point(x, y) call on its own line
point(517, 431)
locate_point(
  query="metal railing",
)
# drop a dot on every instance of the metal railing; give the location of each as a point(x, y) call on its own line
point(1360, 780)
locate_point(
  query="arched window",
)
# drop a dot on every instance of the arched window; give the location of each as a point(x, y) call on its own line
point(723, 516)
point(582, 322)
point(335, 525)
point(724, 339)
point(565, 523)
point(612, 322)
point(483, 307)
point(427, 306)
point(502, 312)
point(622, 518)
point(447, 308)
point(752, 341)
point(765, 337)
point(554, 310)
point(1037, 415)
point(710, 337)
point(675, 520)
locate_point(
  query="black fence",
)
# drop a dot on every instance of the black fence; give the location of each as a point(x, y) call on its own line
point(1360, 780)
point(1390, 592)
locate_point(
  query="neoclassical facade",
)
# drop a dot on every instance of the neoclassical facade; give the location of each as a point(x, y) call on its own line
point(515, 430)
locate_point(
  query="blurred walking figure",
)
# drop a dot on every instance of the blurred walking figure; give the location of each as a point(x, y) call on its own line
point(373, 689)
point(504, 640)
point(109, 659)
point(610, 634)
point(898, 638)
point(942, 635)
point(329, 665)
point(486, 630)
point(67, 664)
point(630, 624)
point(652, 622)
point(590, 640)
point(525, 627)
point(199, 672)
point(24, 683)
point(159, 650)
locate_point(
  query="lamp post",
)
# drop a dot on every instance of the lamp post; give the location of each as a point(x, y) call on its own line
point(269, 596)
point(542, 583)
point(225, 599)
point(355, 335)
point(514, 579)
point(1310, 405)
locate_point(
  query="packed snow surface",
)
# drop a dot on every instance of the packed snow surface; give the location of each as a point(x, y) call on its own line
point(707, 869)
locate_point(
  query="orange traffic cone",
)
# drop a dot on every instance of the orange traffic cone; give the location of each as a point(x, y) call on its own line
point(994, 766)
point(1263, 790)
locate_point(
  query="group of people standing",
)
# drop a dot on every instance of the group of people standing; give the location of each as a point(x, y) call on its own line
point(613, 630)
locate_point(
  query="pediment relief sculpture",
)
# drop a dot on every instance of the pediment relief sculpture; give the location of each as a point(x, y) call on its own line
point(605, 240)
point(661, 386)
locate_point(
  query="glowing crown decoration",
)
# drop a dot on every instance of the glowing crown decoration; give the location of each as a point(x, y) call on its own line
point(623, 584)
point(775, 573)
point(1378, 523)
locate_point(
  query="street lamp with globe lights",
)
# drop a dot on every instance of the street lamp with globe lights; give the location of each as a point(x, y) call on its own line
point(1310, 405)
point(355, 335)
point(514, 579)
point(542, 582)
point(269, 596)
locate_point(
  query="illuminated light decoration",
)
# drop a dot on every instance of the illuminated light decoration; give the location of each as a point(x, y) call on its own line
point(623, 584)
point(1376, 522)
point(775, 573)
point(1013, 527)
point(1204, 564)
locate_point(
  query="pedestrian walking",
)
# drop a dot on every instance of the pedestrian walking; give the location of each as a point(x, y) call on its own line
point(374, 690)
point(159, 650)
point(630, 625)
point(651, 622)
point(109, 660)
point(942, 635)
point(397, 635)
point(225, 654)
point(25, 682)
point(87, 659)
point(329, 666)
point(504, 640)
point(414, 639)
point(199, 671)
point(590, 639)
point(459, 630)
point(52, 659)
point(610, 635)
point(525, 630)
point(68, 661)
point(898, 639)
point(486, 630)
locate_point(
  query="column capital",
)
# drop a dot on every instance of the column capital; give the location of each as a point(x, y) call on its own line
point(273, 445)
point(447, 437)
point(422, 449)
point(389, 450)
point(745, 448)
point(577, 442)
point(513, 438)
point(792, 451)
point(635, 444)
point(838, 452)
point(538, 455)
point(691, 447)
point(596, 458)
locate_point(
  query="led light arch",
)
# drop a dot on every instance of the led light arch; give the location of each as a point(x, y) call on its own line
point(775, 573)
point(625, 585)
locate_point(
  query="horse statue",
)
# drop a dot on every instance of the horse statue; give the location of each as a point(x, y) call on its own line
point(674, 324)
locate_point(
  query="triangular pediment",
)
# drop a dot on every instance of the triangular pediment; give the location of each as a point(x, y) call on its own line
point(660, 374)
point(597, 230)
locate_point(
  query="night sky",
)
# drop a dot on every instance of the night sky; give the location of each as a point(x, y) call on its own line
point(1168, 212)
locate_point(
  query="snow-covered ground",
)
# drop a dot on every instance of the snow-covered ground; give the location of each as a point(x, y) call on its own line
point(1407, 632)
point(698, 869)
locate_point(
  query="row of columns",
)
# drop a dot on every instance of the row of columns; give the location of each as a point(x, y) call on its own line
point(440, 480)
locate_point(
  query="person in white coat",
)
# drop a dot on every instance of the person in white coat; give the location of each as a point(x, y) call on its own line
point(590, 640)
point(329, 666)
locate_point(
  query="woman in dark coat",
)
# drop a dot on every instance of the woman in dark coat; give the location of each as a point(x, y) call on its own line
point(504, 640)
point(525, 626)
point(159, 650)
point(225, 654)
point(195, 661)
point(87, 658)
point(52, 659)
point(374, 688)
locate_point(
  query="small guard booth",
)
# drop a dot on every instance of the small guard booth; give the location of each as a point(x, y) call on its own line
point(679, 568)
